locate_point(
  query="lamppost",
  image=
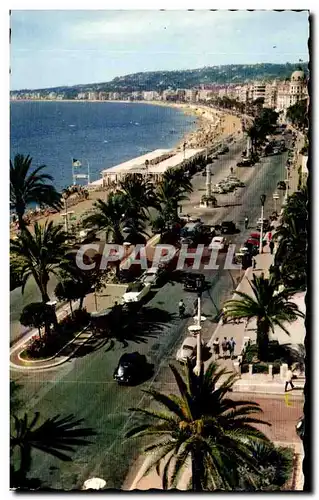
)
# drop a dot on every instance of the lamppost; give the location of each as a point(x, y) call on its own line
point(262, 200)
point(199, 285)
point(275, 197)
point(146, 166)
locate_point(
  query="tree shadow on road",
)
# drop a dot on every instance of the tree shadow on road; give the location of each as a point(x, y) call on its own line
point(137, 328)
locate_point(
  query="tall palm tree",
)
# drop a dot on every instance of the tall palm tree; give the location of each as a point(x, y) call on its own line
point(139, 195)
point(178, 177)
point(56, 436)
point(40, 254)
point(268, 306)
point(170, 194)
point(200, 429)
point(30, 186)
point(109, 215)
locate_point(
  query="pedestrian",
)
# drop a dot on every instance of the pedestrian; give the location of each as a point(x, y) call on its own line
point(231, 345)
point(288, 379)
point(181, 308)
point(271, 246)
point(254, 262)
point(216, 348)
point(246, 323)
point(246, 222)
point(225, 347)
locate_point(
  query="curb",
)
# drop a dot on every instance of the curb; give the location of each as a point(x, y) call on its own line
point(52, 365)
point(55, 355)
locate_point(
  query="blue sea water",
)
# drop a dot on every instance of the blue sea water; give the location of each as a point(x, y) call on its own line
point(101, 133)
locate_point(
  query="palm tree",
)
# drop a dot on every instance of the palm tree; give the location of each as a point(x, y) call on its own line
point(28, 186)
point(268, 306)
point(178, 177)
point(170, 194)
point(200, 429)
point(40, 254)
point(56, 436)
point(109, 215)
point(138, 194)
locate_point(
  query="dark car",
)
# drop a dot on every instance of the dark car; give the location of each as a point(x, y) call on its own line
point(245, 163)
point(192, 280)
point(281, 185)
point(228, 227)
point(132, 368)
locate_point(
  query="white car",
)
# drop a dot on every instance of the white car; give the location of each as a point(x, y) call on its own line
point(152, 275)
point(187, 349)
point(136, 292)
point(217, 243)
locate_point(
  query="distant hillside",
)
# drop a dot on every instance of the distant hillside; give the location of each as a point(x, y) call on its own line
point(160, 80)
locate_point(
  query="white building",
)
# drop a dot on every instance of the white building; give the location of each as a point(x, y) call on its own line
point(190, 95)
point(290, 92)
point(205, 95)
point(81, 95)
point(150, 95)
point(92, 96)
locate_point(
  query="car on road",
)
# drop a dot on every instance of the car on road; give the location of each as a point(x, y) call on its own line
point(192, 280)
point(217, 243)
point(244, 163)
point(187, 350)
point(281, 185)
point(136, 292)
point(228, 227)
point(132, 368)
point(153, 275)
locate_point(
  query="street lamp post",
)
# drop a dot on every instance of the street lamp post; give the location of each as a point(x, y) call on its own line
point(199, 336)
point(275, 197)
point(262, 200)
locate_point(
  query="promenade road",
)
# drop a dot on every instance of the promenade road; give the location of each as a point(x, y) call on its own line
point(84, 385)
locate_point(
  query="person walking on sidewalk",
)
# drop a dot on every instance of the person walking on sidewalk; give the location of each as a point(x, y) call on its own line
point(288, 380)
point(225, 347)
point(246, 222)
point(231, 345)
point(181, 308)
point(271, 246)
point(254, 262)
point(216, 348)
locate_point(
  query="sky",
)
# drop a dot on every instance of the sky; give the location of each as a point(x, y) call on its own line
point(68, 47)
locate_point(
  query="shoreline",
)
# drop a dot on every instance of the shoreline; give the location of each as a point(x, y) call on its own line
point(211, 125)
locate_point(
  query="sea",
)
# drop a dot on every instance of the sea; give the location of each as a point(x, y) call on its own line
point(101, 134)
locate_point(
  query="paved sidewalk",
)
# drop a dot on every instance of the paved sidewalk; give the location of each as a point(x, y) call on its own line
point(239, 331)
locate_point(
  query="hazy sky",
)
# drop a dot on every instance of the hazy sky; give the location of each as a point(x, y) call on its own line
point(51, 48)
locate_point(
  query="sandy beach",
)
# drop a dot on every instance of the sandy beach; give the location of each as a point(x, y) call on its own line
point(212, 125)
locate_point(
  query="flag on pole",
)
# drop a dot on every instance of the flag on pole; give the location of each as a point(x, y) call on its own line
point(76, 163)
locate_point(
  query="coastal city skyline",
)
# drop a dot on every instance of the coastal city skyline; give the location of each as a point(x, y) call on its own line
point(53, 48)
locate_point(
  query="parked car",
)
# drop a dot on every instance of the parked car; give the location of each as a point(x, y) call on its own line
point(191, 281)
point(132, 368)
point(217, 243)
point(281, 185)
point(136, 292)
point(228, 227)
point(187, 350)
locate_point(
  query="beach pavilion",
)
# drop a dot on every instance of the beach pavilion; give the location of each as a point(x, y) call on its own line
point(152, 165)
